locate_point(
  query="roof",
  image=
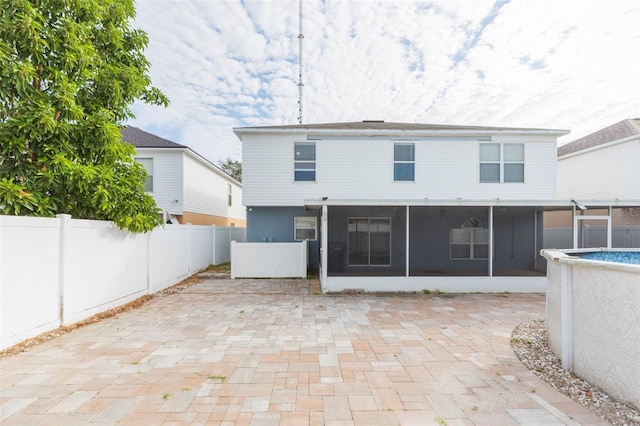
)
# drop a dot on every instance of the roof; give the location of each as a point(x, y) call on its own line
point(382, 127)
point(141, 139)
point(621, 130)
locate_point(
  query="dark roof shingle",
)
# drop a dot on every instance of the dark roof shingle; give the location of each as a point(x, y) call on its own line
point(620, 130)
point(383, 125)
point(140, 138)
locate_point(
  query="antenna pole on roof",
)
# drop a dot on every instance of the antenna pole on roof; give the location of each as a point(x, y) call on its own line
point(300, 85)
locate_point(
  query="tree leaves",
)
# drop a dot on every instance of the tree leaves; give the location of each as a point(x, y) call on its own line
point(69, 72)
point(232, 167)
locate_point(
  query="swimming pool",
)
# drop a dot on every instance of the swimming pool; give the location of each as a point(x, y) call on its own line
point(632, 257)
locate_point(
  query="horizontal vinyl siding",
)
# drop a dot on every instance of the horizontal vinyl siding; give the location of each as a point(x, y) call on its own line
point(607, 173)
point(362, 168)
point(206, 191)
point(167, 178)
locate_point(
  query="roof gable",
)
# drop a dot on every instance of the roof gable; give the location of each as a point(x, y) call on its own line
point(141, 139)
point(621, 130)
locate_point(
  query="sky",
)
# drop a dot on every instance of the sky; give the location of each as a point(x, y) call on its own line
point(570, 64)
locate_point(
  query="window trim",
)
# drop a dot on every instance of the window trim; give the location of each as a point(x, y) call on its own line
point(230, 195)
point(399, 162)
point(501, 162)
point(150, 174)
point(472, 243)
point(296, 162)
point(296, 227)
point(369, 265)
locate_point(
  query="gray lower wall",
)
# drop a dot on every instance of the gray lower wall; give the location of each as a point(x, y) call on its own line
point(275, 224)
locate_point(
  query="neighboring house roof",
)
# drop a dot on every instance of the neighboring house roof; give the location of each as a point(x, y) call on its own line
point(621, 130)
point(382, 127)
point(141, 139)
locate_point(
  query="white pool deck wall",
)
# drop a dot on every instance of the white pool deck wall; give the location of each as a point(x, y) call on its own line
point(593, 320)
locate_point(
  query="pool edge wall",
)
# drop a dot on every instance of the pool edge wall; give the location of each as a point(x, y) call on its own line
point(593, 321)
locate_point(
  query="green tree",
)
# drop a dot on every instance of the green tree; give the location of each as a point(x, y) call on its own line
point(69, 72)
point(232, 167)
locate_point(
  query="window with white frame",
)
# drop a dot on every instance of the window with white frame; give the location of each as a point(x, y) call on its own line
point(148, 165)
point(369, 242)
point(304, 165)
point(305, 228)
point(229, 195)
point(469, 243)
point(501, 162)
point(404, 162)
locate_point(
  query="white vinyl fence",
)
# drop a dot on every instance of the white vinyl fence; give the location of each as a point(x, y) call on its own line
point(269, 260)
point(58, 271)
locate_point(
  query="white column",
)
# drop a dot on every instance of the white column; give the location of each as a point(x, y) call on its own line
point(490, 254)
point(324, 247)
point(575, 228)
point(566, 315)
point(406, 270)
point(609, 228)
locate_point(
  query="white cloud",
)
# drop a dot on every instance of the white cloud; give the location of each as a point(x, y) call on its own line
point(223, 63)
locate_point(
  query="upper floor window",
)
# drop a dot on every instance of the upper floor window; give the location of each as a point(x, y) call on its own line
point(304, 166)
point(148, 165)
point(501, 162)
point(230, 195)
point(304, 228)
point(404, 162)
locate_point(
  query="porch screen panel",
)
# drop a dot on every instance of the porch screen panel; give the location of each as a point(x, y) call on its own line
point(380, 242)
point(369, 242)
point(359, 242)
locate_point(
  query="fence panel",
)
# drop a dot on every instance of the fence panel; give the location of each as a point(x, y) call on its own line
point(201, 247)
point(104, 267)
point(269, 260)
point(168, 256)
point(29, 277)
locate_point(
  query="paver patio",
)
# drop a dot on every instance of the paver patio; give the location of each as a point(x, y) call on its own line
point(267, 352)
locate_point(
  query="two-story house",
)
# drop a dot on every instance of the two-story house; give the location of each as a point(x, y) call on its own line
point(394, 206)
point(186, 187)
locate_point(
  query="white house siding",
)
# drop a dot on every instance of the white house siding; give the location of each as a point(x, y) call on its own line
point(167, 177)
point(607, 172)
point(206, 190)
point(363, 168)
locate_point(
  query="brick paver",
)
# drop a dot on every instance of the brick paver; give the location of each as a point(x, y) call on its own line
point(269, 352)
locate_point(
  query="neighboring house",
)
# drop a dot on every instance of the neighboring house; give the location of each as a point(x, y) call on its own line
point(187, 187)
point(604, 164)
point(600, 166)
point(394, 206)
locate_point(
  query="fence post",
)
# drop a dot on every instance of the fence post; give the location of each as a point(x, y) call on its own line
point(231, 252)
point(213, 244)
point(149, 257)
point(65, 224)
point(188, 248)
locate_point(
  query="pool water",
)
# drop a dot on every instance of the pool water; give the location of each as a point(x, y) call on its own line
point(632, 257)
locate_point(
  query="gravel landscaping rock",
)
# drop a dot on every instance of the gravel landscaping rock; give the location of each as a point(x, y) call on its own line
point(529, 342)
